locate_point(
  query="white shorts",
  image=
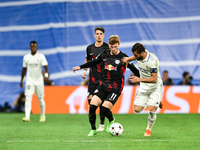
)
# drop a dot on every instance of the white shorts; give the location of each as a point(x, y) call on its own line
point(31, 88)
point(150, 96)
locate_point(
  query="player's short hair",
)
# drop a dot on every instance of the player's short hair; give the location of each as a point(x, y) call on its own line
point(185, 74)
point(138, 47)
point(114, 39)
point(34, 42)
point(99, 28)
point(165, 71)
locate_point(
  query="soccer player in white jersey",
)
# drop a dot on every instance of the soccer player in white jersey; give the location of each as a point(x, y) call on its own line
point(151, 85)
point(33, 63)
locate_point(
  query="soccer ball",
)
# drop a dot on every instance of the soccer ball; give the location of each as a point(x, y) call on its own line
point(116, 129)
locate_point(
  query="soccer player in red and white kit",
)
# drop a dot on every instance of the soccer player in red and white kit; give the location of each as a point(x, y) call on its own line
point(111, 84)
point(33, 63)
point(95, 74)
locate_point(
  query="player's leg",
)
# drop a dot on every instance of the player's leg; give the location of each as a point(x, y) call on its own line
point(141, 100)
point(91, 89)
point(29, 91)
point(102, 119)
point(95, 102)
point(154, 101)
point(107, 105)
point(40, 94)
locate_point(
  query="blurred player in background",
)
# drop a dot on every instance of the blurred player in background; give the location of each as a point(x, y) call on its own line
point(32, 63)
point(95, 74)
point(111, 84)
point(150, 90)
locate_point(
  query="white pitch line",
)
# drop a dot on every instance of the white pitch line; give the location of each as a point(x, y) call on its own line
point(91, 141)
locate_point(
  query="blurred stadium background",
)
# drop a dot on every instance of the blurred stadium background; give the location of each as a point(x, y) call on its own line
point(64, 28)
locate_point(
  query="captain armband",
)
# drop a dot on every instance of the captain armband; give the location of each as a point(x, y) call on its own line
point(153, 70)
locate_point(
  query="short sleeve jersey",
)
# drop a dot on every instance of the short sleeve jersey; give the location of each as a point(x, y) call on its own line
point(34, 64)
point(95, 71)
point(147, 66)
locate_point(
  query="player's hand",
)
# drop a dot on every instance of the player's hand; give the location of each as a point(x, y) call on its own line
point(21, 84)
point(125, 60)
point(84, 75)
point(76, 68)
point(45, 79)
point(134, 79)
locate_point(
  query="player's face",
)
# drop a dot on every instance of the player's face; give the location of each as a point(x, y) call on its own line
point(33, 48)
point(137, 55)
point(99, 35)
point(114, 48)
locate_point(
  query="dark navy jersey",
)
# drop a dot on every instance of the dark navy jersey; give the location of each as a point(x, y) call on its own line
point(113, 70)
point(95, 71)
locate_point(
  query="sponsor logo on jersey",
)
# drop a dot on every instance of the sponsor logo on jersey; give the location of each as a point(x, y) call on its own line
point(110, 67)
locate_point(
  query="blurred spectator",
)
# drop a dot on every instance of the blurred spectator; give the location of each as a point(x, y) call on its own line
point(1, 108)
point(7, 107)
point(166, 79)
point(19, 103)
point(85, 82)
point(130, 83)
point(186, 79)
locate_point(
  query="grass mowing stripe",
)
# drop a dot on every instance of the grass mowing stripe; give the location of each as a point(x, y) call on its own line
point(69, 131)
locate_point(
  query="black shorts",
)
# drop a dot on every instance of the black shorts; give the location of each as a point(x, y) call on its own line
point(92, 88)
point(107, 95)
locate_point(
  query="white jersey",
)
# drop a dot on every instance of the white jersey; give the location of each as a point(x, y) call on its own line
point(34, 64)
point(147, 66)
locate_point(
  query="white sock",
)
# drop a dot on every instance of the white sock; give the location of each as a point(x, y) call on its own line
point(42, 106)
point(151, 120)
point(28, 106)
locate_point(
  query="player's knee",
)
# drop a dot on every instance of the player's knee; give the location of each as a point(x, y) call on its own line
point(104, 110)
point(138, 109)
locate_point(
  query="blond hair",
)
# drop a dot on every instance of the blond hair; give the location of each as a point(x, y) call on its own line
point(114, 39)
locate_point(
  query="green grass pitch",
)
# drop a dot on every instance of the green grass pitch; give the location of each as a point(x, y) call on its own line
point(69, 132)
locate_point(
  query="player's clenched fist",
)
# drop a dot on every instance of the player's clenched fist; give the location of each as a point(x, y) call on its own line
point(76, 68)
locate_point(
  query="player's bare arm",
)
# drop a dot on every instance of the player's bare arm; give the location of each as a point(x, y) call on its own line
point(22, 76)
point(152, 79)
point(46, 74)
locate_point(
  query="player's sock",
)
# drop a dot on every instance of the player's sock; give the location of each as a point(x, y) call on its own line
point(109, 115)
point(28, 106)
point(92, 116)
point(106, 112)
point(102, 117)
point(42, 106)
point(151, 120)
